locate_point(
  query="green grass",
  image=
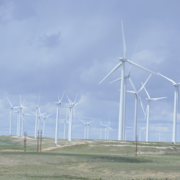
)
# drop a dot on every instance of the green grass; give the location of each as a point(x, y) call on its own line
point(97, 159)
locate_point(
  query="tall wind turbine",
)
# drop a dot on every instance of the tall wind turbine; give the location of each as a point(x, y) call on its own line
point(149, 99)
point(136, 93)
point(11, 113)
point(22, 116)
point(65, 121)
point(176, 106)
point(44, 121)
point(21, 107)
point(57, 118)
point(88, 128)
point(123, 61)
point(108, 129)
point(102, 126)
point(85, 128)
point(71, 107)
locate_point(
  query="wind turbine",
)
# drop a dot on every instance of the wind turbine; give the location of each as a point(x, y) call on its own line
point(108, 129)
point(57, 118)
point(65, 121)
point(149, 99)
point(37, 114)
point(176, 106)
point(11, 113)
point(140, 128)
point(22, 129)
point(85, 128)
point(44, 121)
point(88, 128)
point(21, 107)
point(71, 107)
point(123, 61)
point(136, 93)
point(102, 126)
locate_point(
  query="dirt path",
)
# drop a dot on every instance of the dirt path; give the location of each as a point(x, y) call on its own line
point(58, 146)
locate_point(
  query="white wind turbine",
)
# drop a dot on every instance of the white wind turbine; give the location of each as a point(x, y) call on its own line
point(65, 121)
point(17, 122)
point(85, 128)
point(149, 99)
point(123, 61)
point(140, 128)
point(102, 126)
point(57, 118)
point(176, 106)
point(44, 121)
point(37, 117)
point(11, 114)
point(108, 128)
point(22, 125)
point(136, 93)
point(21, 107)
point(71, 107)
point(88, 128)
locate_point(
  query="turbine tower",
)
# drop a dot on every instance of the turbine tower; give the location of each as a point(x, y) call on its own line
point(22, 116)
point(71, 107)
point(57, 118)
point(136, 93)
point(149, 99)
point(160, 130)
point(65, 121)
point(176, 106)
point(85, 128)
point(123, 61)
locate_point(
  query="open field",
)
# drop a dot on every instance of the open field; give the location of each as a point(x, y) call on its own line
point(97, 159)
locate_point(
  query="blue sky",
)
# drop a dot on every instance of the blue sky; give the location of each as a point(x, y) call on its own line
point(56, 46)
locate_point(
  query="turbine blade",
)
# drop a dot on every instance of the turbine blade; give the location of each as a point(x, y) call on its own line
point(9, 101)
point(77, 104)
point(154, 99)
point(132, 85)
point(82, 121)
point(124, 42)
point(20, 99)
point(167, 78)
point(75, 98)
point(62, 95)
point(141, 105)
point(144, 84)
point(134, 64)
point(115, 80)
point(146, 91)
point(49, 115)
point(69, 99)
point(131, 92)
point(39, 99)
point(116, 67)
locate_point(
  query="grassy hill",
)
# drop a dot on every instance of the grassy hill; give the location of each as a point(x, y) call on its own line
point(97, 159)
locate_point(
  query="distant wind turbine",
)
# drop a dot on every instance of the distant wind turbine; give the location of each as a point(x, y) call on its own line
point(149, 99)
point(176, 106)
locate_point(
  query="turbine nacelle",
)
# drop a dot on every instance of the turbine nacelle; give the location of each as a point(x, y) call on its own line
point(122, 59)
point(176, 84)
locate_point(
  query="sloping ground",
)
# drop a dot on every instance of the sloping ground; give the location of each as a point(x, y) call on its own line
point(97, 159)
